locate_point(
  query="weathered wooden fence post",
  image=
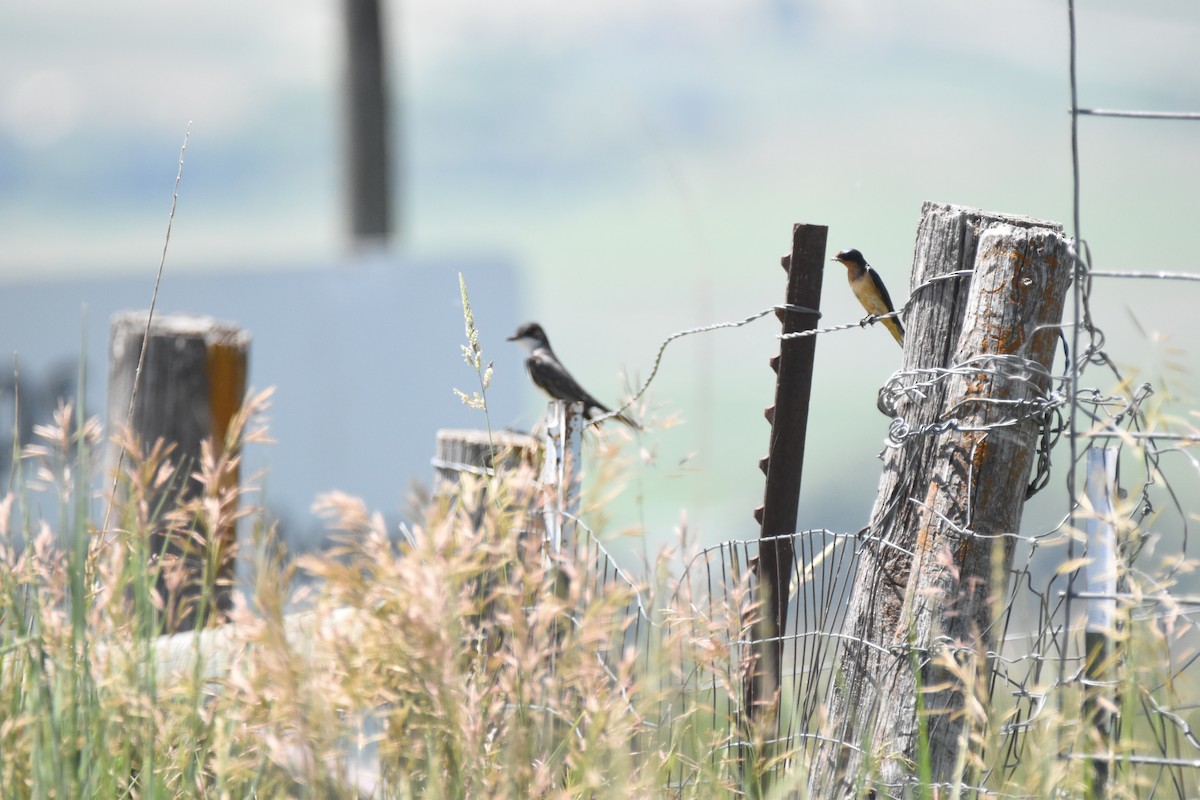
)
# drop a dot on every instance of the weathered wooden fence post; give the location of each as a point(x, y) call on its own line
point(937, 556)
point(192, 383)
point(481, 454)
point(477, 452)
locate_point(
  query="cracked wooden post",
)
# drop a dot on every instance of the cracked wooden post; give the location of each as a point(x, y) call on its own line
point(935, 561)
point(192, 384)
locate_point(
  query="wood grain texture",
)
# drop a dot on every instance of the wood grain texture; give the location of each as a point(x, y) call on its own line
point(934, 559)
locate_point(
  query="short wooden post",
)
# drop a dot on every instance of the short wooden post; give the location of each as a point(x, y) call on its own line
point(935, 562)
point(192, 383)
point(462, 451)
point(482, 455)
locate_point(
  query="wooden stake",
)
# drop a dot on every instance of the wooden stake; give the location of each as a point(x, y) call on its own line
point(192, 383)
point(949, 496)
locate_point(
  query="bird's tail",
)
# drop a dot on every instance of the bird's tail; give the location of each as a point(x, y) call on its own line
point(606, 413)
point(629, 421)
point(893, 325)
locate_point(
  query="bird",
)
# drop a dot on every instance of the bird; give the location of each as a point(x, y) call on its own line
point(549, 374)
point(869, 289)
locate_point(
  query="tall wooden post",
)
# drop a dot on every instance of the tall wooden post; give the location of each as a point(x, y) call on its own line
point(783, 467)
point(935, 563)
point(192, 382)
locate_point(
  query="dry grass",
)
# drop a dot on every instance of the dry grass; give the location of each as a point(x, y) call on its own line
point(459, 660)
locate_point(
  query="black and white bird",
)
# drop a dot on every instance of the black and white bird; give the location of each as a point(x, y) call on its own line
point(549, 374)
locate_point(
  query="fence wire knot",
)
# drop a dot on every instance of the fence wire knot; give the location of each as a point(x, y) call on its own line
point(906, 389)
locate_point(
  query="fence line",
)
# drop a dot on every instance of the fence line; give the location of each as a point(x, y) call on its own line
point(1032, 673)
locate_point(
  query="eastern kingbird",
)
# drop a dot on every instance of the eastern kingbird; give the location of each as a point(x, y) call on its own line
point(552, 377)
point(869, 289)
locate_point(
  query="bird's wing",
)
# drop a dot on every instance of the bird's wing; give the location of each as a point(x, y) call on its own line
point(893, 324)
point(883, 292)
point(552, 377)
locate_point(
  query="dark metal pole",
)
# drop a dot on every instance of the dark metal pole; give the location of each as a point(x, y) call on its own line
point(784, 463)
point(367, 156)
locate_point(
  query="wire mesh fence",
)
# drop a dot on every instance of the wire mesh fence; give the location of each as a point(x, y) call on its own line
point(1055, 687)
point(1036, 684)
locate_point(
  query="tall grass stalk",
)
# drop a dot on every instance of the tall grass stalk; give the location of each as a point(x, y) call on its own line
point(473, 354)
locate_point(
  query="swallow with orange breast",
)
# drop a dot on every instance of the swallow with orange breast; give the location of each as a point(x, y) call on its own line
point(869, 289)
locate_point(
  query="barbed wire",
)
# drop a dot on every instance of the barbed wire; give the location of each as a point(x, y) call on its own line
point(757, 315)
point(870, 319)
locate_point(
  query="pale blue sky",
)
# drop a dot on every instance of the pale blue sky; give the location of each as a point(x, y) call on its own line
point(642, 163)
